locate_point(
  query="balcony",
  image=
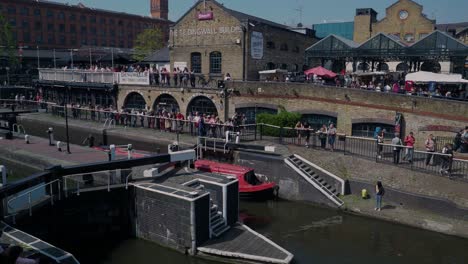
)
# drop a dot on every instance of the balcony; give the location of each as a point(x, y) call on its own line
point(101, 77)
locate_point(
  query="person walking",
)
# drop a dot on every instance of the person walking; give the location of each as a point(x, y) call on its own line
point(430, 148)
point(396, 142)
point(379, 193)
point(332, 137)
point(409, 143)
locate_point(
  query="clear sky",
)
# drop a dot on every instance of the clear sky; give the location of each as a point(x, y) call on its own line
point(285, 11)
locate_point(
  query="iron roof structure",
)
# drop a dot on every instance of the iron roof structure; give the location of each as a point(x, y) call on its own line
point(436, 46)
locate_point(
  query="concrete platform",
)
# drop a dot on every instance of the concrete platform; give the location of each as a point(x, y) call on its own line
point(241, 242)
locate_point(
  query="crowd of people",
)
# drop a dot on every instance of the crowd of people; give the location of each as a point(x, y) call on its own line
point(196, 123)
point(445, 156)
point(159, 76)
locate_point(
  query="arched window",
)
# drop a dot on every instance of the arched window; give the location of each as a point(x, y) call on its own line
point(202, 105)
point(135, 101)
point(270, 45)
point(215, 62)
point(195, 62)
point(166, 102)
point(270, 66)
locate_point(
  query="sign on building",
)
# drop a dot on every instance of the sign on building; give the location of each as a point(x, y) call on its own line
point(256, 45)
point(139, 78)
point(180, 64)
point(208, 15)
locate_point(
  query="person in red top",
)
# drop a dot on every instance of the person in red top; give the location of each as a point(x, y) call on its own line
point(409, 143)
point(180, 121)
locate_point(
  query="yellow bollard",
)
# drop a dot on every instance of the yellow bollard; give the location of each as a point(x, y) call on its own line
point(364, 194)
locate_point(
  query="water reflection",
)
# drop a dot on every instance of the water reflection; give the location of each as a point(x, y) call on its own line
point(317, 235)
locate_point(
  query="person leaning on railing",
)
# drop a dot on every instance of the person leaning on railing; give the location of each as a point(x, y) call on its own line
point(397, 146)
point(409, 142)
point(430, 147)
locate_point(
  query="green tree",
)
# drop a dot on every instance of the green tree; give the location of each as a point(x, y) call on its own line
point(282, 119)
point(7, 42)
point(148, 41)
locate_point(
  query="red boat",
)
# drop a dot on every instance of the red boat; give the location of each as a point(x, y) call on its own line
point(250, 185)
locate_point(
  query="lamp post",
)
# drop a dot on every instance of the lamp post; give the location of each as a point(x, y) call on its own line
point(8, 75)
point(66, 118)
point(38, 60)
point(71, 57)
point(55, 61)
point(90, 59)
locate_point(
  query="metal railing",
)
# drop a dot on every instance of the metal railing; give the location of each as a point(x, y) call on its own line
point(80, 76)
point(30, 201)
point(107, 179)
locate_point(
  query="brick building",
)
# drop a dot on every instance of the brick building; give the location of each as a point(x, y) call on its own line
point(403, 19)
point(48, 25)
point(214, 40)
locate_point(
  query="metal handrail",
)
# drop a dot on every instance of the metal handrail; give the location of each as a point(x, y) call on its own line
point(28, 193)
point(126, 180)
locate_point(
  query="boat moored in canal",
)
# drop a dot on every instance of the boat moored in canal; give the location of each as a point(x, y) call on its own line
point(251, 186)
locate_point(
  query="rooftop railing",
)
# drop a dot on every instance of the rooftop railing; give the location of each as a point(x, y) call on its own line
point(84, 76)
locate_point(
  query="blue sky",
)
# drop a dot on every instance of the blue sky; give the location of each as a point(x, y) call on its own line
point(285, 11)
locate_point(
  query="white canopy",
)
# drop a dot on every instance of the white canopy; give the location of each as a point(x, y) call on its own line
point(273, 71)
point(425, 77)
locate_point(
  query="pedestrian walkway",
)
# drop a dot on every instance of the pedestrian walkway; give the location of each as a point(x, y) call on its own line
point(408, 216)
point(350, 167)
point(44, 155)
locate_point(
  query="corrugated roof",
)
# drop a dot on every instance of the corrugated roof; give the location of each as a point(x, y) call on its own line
point(347, 42)
point(393, 38)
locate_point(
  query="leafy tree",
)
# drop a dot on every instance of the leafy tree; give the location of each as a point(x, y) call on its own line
point(283, 119)
point(7, 43)
point(148, 41)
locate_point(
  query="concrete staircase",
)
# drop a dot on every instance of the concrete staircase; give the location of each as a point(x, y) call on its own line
point(218, 224)
point(312, 175)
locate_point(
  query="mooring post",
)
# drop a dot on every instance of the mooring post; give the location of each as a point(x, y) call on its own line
point(50, 133)
point(112, 152)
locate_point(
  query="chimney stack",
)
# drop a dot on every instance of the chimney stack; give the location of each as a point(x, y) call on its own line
point(160, 9)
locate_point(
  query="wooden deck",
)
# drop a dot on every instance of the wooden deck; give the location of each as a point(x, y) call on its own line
point(243, 243)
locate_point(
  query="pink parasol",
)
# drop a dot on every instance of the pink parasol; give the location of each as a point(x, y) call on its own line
point(320, 71)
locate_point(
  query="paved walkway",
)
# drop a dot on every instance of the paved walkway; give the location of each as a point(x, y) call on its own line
point(397, 213)
point(44, 155)
point(351, 167)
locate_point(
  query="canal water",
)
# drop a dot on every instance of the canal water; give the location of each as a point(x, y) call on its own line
point(318, 235)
